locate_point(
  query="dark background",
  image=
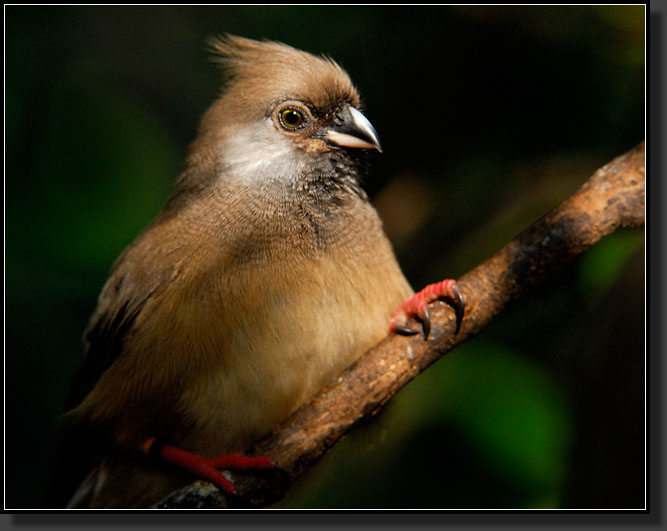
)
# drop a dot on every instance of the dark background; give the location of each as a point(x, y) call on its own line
point(488, 116)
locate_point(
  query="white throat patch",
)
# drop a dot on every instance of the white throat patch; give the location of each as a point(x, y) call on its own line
point(258, 152)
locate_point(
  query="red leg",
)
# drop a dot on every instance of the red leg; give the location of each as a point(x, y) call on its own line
point(205, 467)
point(417, 306)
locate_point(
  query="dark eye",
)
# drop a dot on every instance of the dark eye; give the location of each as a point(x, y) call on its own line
point(291, 118)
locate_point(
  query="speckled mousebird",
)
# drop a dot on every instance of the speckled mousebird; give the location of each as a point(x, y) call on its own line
point(266, 273)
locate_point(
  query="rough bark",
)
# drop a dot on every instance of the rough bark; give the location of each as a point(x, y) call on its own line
point(613, 197)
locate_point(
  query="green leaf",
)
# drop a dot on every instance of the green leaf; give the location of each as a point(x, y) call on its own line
point(601, 267)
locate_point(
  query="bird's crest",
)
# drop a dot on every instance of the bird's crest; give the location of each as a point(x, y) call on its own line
point(262, 69)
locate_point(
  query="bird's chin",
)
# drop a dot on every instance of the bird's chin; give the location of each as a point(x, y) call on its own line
point(317, 145)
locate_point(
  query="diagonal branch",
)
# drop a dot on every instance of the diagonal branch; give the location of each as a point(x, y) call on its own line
point(613, 197)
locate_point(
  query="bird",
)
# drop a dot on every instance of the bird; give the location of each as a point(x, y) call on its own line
point(266, 273)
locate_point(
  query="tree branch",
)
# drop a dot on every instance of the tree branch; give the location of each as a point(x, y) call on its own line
point(613, 197)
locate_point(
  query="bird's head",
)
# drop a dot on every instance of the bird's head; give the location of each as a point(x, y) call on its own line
point(281, 109)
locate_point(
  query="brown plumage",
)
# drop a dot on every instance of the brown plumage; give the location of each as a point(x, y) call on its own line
point(264, 276)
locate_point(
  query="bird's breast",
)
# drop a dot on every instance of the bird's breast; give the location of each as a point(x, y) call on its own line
point(279, 331)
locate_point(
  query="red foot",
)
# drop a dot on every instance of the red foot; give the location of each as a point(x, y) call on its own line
point(417, 306)
point(209, 468)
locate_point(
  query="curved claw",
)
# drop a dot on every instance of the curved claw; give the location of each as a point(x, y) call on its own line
point(425, 318)
point(416, 306)
point(404, 330)
point(455, 300)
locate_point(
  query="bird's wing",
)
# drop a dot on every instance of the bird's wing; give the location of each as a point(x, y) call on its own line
point(80, 444)
point(139, 274)
point(103, 341)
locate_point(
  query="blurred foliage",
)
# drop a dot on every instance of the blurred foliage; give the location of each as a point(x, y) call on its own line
point(601, 267)
point(489, 116)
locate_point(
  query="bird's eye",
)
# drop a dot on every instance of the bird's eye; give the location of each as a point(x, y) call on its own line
point(291, 118)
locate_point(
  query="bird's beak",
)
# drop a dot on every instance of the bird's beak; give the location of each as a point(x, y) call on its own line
point(355, 131)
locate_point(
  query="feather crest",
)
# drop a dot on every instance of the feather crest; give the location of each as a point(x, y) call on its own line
point(261, 70)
